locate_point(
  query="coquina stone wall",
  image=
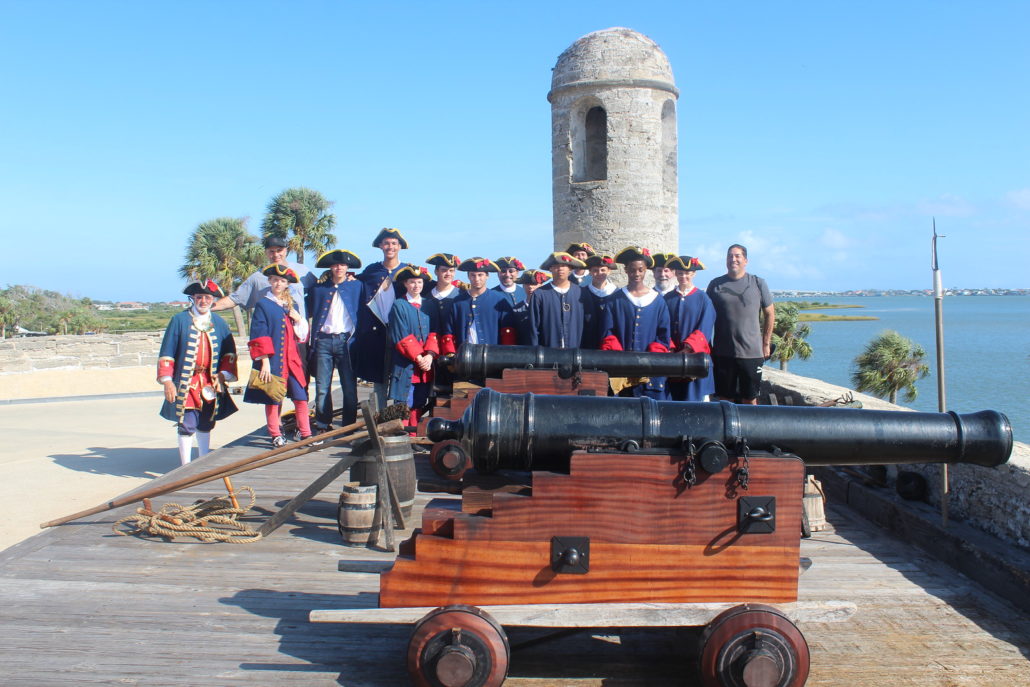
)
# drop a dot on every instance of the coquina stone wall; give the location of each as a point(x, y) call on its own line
point(614, 145)
point(994, 500)
point(34, 353)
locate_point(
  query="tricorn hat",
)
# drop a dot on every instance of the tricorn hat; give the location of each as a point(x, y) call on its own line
point(276, 242)
point(573, 247)
point(388, 233)
point(206, 287)
point(443, 260)
point(277, 270)
point(338, 257)
point(478, 265)
point(600, 260)
point(662, 259)
point(533, 277)
point(631, 253)
point(684, 262)
point(561, 258)
point(508, 262)
point(411, 272)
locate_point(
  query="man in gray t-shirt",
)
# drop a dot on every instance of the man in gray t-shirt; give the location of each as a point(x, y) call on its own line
point(255, 287)
point(742, 344)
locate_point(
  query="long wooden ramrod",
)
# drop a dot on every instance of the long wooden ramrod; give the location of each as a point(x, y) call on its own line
point(253, 462)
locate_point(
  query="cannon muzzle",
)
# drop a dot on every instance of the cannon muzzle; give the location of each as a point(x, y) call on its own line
point(477, 361)
point(518, 431)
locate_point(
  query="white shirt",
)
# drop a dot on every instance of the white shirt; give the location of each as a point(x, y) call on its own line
point(337, 320)
point(440, 295)
point(608, 289)
point(641, 301)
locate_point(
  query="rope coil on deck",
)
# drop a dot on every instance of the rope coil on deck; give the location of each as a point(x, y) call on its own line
point(214, 520)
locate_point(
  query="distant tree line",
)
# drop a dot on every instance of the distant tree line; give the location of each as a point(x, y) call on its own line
point(39, 310)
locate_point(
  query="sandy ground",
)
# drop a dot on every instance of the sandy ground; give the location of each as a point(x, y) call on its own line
point(65, 456)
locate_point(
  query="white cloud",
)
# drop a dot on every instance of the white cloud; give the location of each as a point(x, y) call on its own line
point(1019, 198)
point(838, 244)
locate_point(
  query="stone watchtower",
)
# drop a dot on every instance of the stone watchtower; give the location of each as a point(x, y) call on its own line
point(613, 144)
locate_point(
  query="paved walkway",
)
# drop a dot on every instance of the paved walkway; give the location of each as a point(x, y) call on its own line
point(64, 456)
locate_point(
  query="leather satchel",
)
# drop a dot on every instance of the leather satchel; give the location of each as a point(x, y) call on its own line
point(275, 388)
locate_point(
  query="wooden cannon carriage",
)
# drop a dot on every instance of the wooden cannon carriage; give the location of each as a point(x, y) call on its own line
point(649, 513)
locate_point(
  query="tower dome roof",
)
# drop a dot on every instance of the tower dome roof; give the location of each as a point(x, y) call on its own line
point(617, 56)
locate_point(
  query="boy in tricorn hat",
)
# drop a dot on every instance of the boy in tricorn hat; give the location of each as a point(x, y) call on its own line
point(693, 318)
point(437, 303)
point(595, 294)
point(580, 251)
point(415, 344)
point(478, 315)
point(370, 352)
point(197, 357)
point(556, 311)
point(509, 287)
point(637, 319)
point(334, 305)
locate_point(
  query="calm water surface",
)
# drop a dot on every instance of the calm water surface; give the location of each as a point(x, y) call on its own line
point(986, 349)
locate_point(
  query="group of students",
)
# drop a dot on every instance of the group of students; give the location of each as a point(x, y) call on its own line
point(389, 323)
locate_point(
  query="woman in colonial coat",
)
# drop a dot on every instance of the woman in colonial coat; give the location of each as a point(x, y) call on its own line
point(693, 319)
point(637, 319)
point(414, 345)
point(197, 357)
point(276, 327)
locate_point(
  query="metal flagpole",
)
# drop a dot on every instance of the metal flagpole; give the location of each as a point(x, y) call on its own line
point(938, 309)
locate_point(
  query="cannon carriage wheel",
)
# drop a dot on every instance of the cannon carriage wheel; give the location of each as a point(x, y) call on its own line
point(753, 645)
point(458, 646)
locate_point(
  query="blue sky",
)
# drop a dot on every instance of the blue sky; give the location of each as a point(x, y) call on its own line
point(823, 135)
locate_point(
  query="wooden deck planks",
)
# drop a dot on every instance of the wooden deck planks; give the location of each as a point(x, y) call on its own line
point(82, 606)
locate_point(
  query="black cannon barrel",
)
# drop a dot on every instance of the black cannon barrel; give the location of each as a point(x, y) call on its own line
point(476, 361)
point(518, 431)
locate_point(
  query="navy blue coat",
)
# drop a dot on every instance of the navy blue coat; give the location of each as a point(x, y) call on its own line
point(556, 319)
point(636, 328)
point(407, 320)
point(368, 354)
point(692, 317)
point(488, 313)
point(593, 317)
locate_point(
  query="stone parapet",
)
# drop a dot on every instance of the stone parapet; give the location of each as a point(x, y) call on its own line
point(992, 500)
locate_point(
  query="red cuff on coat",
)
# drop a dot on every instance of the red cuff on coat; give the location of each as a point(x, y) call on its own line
point(260, 347)
point(657, 347)
point(611, 343)
point(507, 337)
point(165, 368)
point(697, 342)
point(410, 347)
point(447, 345)
point(432, 344)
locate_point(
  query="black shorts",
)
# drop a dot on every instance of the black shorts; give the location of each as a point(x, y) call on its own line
point(737, 379)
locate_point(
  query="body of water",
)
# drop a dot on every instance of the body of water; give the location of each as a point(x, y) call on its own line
point(986, 349)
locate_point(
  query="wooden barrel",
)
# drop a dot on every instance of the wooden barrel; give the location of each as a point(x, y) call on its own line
point(354, 516)
point(814, 500)
point(400, 464)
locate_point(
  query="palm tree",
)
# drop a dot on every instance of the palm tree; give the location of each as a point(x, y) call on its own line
point(789, 336)
point(299, 215)
point(223, 250)
point(890, 363)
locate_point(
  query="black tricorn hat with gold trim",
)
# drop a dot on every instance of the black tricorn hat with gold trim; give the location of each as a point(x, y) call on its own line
point(573, 247)
point(508, 262)
point(685, 263)
point(662, 259)
point(277, 270)
point(478, 265)
point(562, 258)
point(443, 260)
point(631, 253)
point(533, 277)
point(411, 272)
point(600, 260)
point(389, 233)
point(338, 256)
point(206, 287)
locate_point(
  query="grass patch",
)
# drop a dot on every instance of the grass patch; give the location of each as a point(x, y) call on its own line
point(820, 317)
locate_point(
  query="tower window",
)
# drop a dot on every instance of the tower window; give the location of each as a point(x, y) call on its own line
point(590, 147)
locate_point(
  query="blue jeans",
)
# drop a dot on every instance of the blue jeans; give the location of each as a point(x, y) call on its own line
point(331, 352)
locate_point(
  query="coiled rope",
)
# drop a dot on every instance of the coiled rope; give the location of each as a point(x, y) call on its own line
point(209, 521)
